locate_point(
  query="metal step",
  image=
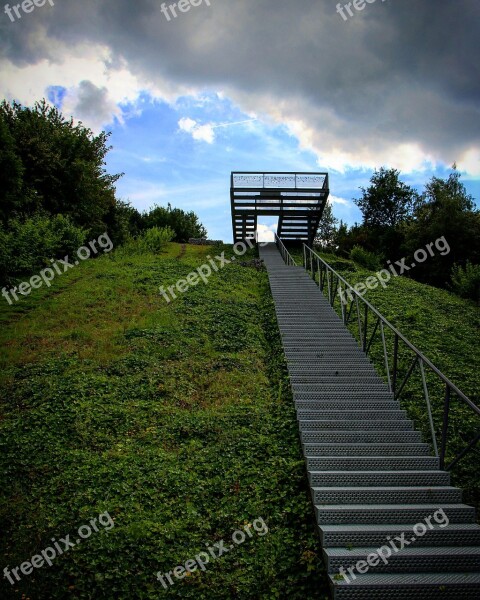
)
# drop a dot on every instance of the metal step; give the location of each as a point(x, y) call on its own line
point(372, 463)
point(351, 450)
point(408, 559)
point(327, 392)
point(376, 478)
point(386, 495)
point(349, 536)
point(400, 586)
point(355, 425)
point(389, 513)
point(351, 415)
point(360, 437)
point(340, 404)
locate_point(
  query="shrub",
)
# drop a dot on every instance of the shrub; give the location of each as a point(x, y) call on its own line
point(366, 259)
point(155, 238)
point(185, 225)
point(466, 281)
point(27, 245)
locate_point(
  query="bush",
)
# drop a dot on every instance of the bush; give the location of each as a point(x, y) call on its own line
point(185, 225)
point(466, 281)
point(366, 259)
point(28, 245)
point(155, 238)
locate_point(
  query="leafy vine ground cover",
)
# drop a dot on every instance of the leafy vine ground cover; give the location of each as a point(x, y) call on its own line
point(176, 419)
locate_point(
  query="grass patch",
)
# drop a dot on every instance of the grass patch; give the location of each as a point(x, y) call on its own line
point(176, 419)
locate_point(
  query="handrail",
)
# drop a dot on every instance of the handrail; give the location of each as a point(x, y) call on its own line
point(326, 274)
point(293, 175)
point(287, 257)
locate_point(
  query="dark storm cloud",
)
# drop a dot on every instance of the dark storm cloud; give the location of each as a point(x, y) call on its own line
point(400, 70)
point(92, 103)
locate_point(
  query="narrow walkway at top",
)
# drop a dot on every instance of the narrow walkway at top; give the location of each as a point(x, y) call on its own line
point(372, 478)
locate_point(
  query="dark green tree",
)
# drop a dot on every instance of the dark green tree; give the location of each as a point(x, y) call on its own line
point(445, 210)
point(327, 229)
point(386, 204)
point(185, 224)
point(11, 173)
point(63, 167)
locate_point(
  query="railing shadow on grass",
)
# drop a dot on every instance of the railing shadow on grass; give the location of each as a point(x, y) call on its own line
point(400, 364)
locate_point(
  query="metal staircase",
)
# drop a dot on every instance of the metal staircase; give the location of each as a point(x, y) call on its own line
point(372, 478)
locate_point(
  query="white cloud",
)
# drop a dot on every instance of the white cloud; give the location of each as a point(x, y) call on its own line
point(203, 133)
point(470, 162)
point(337, 200)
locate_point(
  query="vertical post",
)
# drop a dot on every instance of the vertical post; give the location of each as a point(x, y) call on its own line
point(395, 365)
point(365, 325)
point(427, 398)
point(344, 308)
point(359, 321)
point(446, 411)
point(385, 354)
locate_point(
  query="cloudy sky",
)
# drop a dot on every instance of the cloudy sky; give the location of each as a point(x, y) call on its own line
point(256, 85)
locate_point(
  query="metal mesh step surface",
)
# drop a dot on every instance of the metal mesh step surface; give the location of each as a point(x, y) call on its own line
point(386, 495)
point(400, 586)
point(339, 404)
point(354, 425)
point(372, 463)
point(349, 450)
point(454, 534)
point(405, 558)
point(360, 437)
point(378, 478)
point(340, 416)
point(389, 513)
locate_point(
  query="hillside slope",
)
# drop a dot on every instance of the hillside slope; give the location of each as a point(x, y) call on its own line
point(175, 419)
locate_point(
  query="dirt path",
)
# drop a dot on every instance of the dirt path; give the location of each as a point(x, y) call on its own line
point(182, 253)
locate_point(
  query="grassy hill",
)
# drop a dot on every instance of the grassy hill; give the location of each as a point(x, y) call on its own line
point(175, 419)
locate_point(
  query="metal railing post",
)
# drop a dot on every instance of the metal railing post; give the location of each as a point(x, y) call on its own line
point(446, 410)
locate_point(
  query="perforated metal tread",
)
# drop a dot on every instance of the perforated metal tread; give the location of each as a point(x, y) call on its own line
point(339, 404)
point(376, 478)
point(349, 450)
point(339, 417)
point(312, 425)
point(389, 513)
point(379, 463)
point(361, 448)
point(359, 437)
point(401, 556)
point(386, 495)
point(455, 534)
point(401, 586)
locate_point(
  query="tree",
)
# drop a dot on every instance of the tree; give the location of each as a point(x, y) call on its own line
point(386, 205)
point(11, 172)
point(445, 210)
point(62, 167)
point(327, 228)
point(185, 224)
point(388, 201)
